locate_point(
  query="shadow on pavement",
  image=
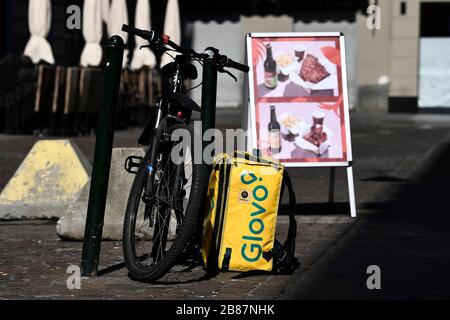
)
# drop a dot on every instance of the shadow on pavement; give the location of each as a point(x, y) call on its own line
point(406, 233)
point(384, 179)
point(306, 209)
point(111, 269)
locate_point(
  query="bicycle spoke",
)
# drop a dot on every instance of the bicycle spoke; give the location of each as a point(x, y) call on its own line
point(156, 223)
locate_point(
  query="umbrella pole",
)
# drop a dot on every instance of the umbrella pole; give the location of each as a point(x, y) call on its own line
point(102, 158)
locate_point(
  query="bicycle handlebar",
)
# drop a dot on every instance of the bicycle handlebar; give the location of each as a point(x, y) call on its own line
point(153, 39)
point(236, 65)
point(146, 35)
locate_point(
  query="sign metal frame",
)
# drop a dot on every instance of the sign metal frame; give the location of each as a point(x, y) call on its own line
point(250, 108)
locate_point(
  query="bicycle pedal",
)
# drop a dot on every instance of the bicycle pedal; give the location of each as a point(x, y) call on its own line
point(132, 164)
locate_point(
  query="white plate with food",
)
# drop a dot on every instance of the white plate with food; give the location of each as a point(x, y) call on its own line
point(290, 124)
point(327, 83)
point(286, 64)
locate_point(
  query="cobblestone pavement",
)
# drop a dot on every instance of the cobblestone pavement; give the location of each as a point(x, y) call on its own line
point(33, 261)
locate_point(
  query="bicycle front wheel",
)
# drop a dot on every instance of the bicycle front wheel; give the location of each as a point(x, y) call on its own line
point(158, 226)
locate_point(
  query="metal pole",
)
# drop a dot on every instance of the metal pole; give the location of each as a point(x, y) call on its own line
point(102, 158)
point(209, 95)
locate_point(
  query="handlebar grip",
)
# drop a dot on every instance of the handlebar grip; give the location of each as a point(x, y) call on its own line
point(238, 66)
point(147, 35)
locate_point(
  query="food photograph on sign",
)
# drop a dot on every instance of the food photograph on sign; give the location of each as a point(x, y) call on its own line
point(299, 108)
point(294, 131)
point(297, 68)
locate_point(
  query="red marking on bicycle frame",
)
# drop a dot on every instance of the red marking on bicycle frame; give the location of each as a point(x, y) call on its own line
point(166, 39)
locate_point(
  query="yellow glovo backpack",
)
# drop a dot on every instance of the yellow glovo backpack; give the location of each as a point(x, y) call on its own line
point(243, 200)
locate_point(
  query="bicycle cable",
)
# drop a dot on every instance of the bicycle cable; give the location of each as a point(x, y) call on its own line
point(193, 88)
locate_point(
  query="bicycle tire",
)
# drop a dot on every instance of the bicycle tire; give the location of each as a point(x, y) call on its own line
point(185, 231)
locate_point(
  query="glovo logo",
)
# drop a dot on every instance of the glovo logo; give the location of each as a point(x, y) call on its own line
point(251, 250)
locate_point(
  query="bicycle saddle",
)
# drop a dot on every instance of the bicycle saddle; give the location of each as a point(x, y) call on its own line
point(184, 101)
point(189, 73)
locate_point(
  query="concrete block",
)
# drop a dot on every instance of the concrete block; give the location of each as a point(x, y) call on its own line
point(71, 225)
point(50, 177)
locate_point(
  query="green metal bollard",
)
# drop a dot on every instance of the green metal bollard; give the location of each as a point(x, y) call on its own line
point(102, 158)
point(209, 95)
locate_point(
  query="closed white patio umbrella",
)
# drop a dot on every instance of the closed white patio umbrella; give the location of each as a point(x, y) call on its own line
point(92, 33)
point(105, 11)
point(172, 27)
point(118, 17)
point(39, 24)
point(142, 57)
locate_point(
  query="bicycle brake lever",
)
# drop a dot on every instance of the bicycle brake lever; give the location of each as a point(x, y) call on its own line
point(230, 74)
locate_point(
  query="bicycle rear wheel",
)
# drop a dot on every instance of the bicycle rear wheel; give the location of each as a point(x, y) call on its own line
point(157, 230)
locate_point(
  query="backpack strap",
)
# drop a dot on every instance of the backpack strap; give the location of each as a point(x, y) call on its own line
point(284, 255)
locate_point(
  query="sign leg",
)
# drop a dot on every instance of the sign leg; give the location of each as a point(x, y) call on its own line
point(351, 192)
point(249, 131)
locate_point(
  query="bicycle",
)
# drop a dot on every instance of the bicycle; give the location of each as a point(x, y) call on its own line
point(171, 193)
